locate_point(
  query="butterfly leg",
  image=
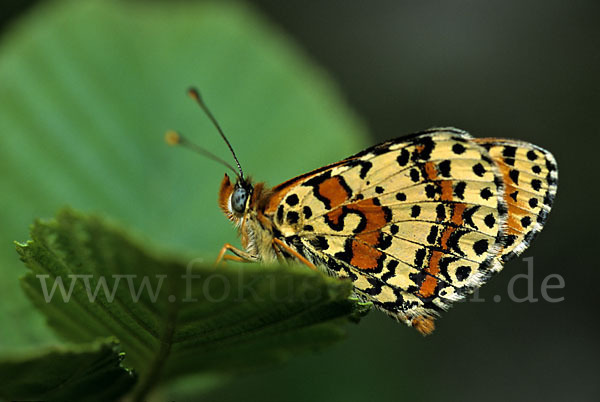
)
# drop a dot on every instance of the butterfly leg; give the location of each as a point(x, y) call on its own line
point(282, 246)
point(238, 255)
point(230, 257)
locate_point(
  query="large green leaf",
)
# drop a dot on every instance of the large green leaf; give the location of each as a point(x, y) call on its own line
point(171, 317)
point(90, 372)
point(89, 87)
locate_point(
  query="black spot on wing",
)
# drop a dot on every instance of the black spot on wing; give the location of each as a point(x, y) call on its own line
point(509, 151)
point(463, 272)
point(423, 147)
point(444, 168)
point(391, 266)
point(486, 193)
point(387, 214)
point(489, 220)
point(414, 175)
point(458, 149)
point(292, 200)
point(440, 211)
point(292, 217)
point(479, 170)
point(431, 191)
point(432, 236)
point(480, 246)
point(459, 190)
point(514, 176)
point(307, 212)
point(402, 159)
point(420, 257)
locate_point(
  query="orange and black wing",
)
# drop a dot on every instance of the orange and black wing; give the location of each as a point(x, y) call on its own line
point(416, 223)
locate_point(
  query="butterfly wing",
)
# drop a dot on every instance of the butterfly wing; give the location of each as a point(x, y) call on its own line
point(415, 223)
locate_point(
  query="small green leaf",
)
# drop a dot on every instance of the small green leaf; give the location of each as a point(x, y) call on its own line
point(176, 317)
point(90, 372)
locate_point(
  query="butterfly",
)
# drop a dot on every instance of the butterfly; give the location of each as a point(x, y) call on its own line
point(416, 223)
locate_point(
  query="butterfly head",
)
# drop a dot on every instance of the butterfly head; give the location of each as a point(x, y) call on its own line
point(234, 199)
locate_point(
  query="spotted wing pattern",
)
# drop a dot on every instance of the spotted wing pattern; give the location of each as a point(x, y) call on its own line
point(530, 177)
point(416, 223)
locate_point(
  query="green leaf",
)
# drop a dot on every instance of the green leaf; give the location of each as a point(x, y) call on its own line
point(174, 317)
point(88, 89)
point(90, 372)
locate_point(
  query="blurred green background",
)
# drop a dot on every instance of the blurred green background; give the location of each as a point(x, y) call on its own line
point(526, 70)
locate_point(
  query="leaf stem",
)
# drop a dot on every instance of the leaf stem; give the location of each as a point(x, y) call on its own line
point(157, 365)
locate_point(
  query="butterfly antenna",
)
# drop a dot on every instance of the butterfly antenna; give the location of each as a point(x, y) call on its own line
point(195, 95)
point(175, 138)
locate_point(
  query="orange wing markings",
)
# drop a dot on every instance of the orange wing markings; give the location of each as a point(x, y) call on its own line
point(427, 288)
point(334, 191)
point(430, 170)
point(447, 190)
point(365, 255)
point(429, 284)
point(334, 216)
point(509, 188)
point(376, 215)
point(278, 192)
point(364, 252)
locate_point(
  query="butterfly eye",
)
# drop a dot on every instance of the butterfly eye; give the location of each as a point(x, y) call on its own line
point(238, 199)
